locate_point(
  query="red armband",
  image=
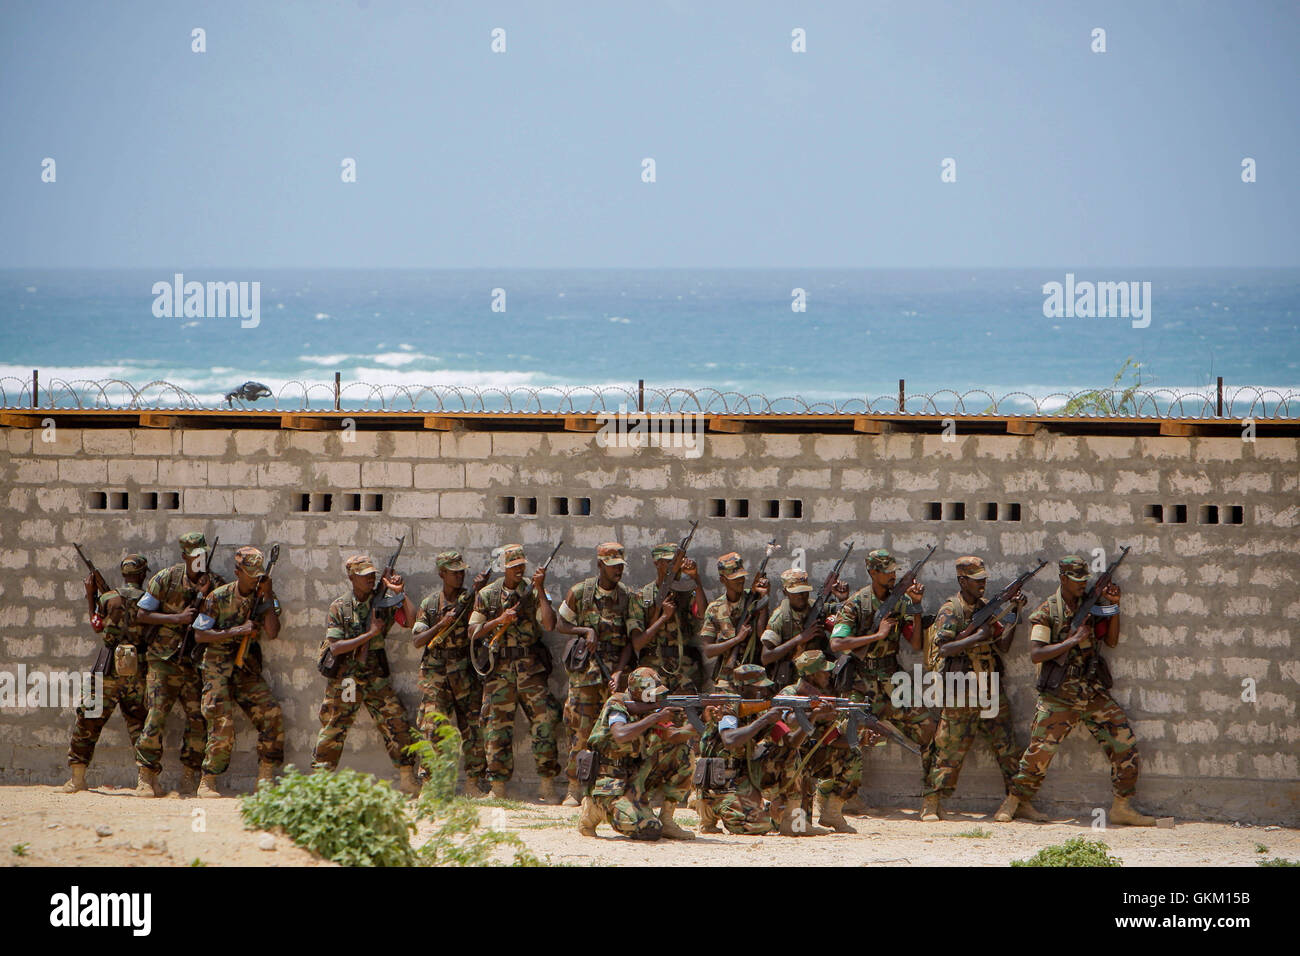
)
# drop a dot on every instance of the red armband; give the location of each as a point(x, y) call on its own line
point(96, 623)
point(779, 730)
point(400, 616)
point(907, 629)
point(1100, 627)
point(996, 629)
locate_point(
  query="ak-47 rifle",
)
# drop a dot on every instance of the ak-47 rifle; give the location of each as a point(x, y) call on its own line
point(187, 640)
point(438, 636)
point(1052, 672)
point(694, 705)
point(100, 584)
point(380, 598)
point(750, 605)
point(858, 713)
point(674, 573)
point(513, 599)
point(995, 609)
point(257, 608)
point(783, 669)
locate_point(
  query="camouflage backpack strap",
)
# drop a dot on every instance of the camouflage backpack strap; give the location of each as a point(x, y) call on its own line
point(588, 598)
point(1056, 608)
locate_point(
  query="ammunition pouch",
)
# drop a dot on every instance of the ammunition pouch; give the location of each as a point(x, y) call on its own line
point(1050, 675)
point(326, 662)
point(588, 767)
point(576, 655)
point(712, 773)
point(126, 660)
point(783, 672)
point(844, 673)
point(103, 661)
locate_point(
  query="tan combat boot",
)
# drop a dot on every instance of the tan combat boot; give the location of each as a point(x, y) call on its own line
point(794, 822)
point(208, 786)
point(265, 772)
point(856, 806)
point(931, 809)
point(147, 783)
point(589, 818)
point(406, 781)
point(708, 822)
point(1121, 811)
point(831, 813)
point(574, 795)
point(499, 789)
point(475, 787)
point(668, 827)
point(189, 782)
point(78, 781)
point(1007, 811)
point(546, 789)
point(1026, 811)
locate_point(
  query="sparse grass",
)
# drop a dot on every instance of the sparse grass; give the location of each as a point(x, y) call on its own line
point(1260, 848)
point(20, 849)
point(197, 862)
point(503, 804)
point(979, 833)
point(1278, 861)
point(569, 821)
point(1076, 852)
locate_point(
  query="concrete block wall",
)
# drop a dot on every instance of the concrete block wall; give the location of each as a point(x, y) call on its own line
point(1208, 606)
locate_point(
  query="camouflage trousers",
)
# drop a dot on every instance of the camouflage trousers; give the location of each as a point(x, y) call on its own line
point(914, 723)
point(664, 767)
point(958, 728)
point(515, 684)
point(1054, 720)
point(455, 692)
point(831, 771)
point(224, 686)
point(581, 708)
point(168, 682)
point(343, 698)
point(125, 692)
point(743, 810)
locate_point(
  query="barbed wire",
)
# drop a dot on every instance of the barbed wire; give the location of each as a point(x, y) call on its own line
point(1244, 401)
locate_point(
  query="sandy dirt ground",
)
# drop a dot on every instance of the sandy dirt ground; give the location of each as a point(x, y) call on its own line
point(60, 829)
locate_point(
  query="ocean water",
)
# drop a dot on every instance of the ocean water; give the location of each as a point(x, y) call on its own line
point(731, 330)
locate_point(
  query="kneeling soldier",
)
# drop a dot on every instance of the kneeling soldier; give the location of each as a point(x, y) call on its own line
point(1081, 695)
point(730, 769)
point(227, 636)
point(123, 667)
point(355, 632)
point(634, 757)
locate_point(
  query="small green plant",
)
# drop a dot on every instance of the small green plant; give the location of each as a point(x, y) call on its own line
point(197, 862)
point(1075, 852)
point(20, 849)
point(1278, 861)
point(978, 833)
point(345, 816)
point(1260, 848)
point(1103, 401)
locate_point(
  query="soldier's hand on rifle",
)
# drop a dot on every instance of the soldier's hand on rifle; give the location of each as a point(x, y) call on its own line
point(916, 592)
point(818, 630)
point(743, 634)
point(1020, 600)
point(668, 610)
point(90, 585)
point(691, 569)
point(823, 710)
point(539, 579)
point(480, 580)
point(590, 633)
point(445, 620)
point(840, 590)
point(614, 680)
point(186, 617)
point(761, 586)
point(508, 616)
point(395, 582)
point(886, 627)
point(1077, 636)
point(873, 736)
point(264, 588)
point(1111, 592)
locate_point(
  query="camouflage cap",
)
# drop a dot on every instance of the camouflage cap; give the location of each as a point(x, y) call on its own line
point(359, 564)
point(133, 563)
point(193, 542)
point(753, 675)
point(512, 554)
point(610, 553)
point(810, 662)
point(450, 561)
point(731, 565)
point(971, 567)
point(881, 560)
point(249, 560)
point(1073, 567)
point(795, 581)
point(662, 552)
point(643, 684)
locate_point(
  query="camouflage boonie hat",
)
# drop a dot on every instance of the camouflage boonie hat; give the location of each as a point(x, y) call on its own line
point(192, 542)
point(751, 675)
point(731, 566)
point(661, 552)
point(881, 560)
point(810, 662)
point(451, 561)
point(513, 554)
point(249, 560)
point(795, 581)
point(1073, 567)
point(359, 564)
point(971, 567)
point(133, 563)
point(610, 553)
point(643, 684)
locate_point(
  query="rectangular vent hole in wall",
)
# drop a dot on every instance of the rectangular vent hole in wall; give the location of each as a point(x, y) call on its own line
point(580, 506)
point(1209, 514)
point(1013, 511)
point(527, 506)
point(717, 507)
point(559, 506)
point(1180, 514)
point(933, 511)
point(352, 502)
point(738, 507)
point(1154, 514)
point(373, 502)
point(118, 500)
point(319, 502)
point(792, 508)
point(1236, 514)
point(149, 501)
point(97, 501)
point(771, 508)
point(506, 505)
point(991, 511)
point(956, 511)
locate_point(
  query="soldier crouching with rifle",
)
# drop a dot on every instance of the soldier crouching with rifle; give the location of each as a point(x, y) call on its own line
point(729, 772)
point(1073, 684)
point(226, 633)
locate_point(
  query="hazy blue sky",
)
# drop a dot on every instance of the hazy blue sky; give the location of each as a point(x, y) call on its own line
point(532, 158)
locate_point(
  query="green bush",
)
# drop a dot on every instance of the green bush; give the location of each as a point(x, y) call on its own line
point(345, 816)
point(1278, 861)
point(1076, 852)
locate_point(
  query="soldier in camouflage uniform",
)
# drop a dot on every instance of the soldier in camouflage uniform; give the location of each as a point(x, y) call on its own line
point(980, 654)
point(355, 632)
point(448, 684)
point(637, 756)
point(873, 651)
point(829, 763)
point(229, 615)
point(671, 648)
point(721, 634)
point(604, 612)
point(738, 802)
point(171, 603)
point(1082, 695)
point(517, 614)
point(784, 636)
point(113, 613)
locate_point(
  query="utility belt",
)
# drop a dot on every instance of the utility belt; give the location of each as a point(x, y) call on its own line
point(516, 652)
point(1052, 674)
point(714, 774)
point(448, 655)
point(960, 663)
point(849, 668)
point(591, 766)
